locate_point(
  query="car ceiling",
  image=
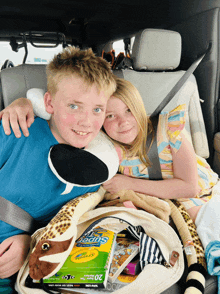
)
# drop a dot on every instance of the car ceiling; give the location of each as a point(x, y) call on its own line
point(94, 22)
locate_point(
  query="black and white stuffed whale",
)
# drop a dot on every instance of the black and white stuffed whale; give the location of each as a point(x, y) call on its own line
point(84, 167)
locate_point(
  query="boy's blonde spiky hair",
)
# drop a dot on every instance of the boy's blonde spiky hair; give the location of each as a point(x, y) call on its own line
point(83, 63)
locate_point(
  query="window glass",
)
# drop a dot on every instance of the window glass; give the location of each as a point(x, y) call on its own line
point(35, 55)
point(118, 46)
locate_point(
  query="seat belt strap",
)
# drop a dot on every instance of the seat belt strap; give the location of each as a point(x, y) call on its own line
point(17, 217)
point(154, 170)
point(180, 83)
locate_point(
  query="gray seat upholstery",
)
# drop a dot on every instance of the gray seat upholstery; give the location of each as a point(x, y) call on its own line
point(16, 81)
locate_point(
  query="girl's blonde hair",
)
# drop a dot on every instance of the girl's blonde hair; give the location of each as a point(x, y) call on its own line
point(84, 64)
point(129, 94)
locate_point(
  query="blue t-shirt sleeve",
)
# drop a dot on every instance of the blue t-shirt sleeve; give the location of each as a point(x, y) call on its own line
point(7, 144)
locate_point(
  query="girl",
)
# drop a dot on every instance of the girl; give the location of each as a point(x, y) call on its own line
point(185, 175)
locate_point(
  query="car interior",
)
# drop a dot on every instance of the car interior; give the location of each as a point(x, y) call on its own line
point(168, 37)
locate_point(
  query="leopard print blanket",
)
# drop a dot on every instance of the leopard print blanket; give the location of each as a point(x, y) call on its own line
point(195, 282)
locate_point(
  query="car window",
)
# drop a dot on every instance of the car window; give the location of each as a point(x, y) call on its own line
point(35, 55)
point(118, 46)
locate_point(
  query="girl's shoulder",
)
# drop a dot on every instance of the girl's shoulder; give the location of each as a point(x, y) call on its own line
point(176, 118)
point(171, 124)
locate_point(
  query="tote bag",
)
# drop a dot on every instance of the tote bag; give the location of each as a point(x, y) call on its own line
point(154, 278)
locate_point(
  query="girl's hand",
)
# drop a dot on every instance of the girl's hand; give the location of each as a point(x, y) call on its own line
point(118, 183)
point(13, 252)
point(18, 113)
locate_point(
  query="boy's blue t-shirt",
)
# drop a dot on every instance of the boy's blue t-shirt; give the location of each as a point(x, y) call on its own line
point(26, 178)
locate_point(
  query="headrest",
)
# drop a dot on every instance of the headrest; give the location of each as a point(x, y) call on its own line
point(156, 49)
point(17, 80)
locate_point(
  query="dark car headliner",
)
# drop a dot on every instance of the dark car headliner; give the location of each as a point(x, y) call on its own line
point(94, 22)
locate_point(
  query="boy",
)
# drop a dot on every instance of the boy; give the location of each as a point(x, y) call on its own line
point(79, 85)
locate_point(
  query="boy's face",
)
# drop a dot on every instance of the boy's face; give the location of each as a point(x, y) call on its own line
point(78, 111)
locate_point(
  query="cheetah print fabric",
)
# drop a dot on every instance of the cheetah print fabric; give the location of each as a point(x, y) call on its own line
point(200, 254)
point(54, 243)
point(197, 269)
point(62, 220)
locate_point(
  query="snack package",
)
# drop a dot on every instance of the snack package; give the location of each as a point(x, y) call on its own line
point(133, 267)
point(88, 264)
point(125, 250)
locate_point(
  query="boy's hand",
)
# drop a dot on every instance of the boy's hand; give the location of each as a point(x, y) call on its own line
point(18, 113)
point(13, 252)
point(118, 183)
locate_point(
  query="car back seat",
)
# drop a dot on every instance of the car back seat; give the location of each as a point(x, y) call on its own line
point(156, 54)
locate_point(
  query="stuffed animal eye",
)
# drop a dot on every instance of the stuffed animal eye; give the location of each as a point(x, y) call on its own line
point(45, 246)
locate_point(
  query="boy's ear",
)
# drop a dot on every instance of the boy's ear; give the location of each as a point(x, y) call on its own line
point(48, 102)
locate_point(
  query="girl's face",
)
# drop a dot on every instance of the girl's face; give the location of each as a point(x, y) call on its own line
point(120, 123)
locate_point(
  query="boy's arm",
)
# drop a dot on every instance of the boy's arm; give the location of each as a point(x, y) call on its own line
point(18, 113)
point(13, 252)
